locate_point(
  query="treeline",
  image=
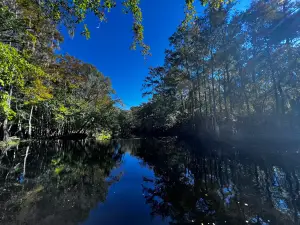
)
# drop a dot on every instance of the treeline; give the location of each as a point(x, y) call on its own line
point(44, 94)
point(229, 72)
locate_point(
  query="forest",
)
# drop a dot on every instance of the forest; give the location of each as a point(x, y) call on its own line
point(45, 94)
point(229, 73)
point(226, 72)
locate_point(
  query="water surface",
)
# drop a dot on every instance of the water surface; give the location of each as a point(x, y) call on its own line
point(149, 181)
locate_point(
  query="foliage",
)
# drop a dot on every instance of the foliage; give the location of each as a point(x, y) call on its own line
point(14, 69)
point(9, 143)
point(82, 99)
point(44, 94)
point(104, 136)
point(73, 13)
point(58, 170)
point(229, 71)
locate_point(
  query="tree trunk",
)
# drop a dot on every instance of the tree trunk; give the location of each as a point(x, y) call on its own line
point(5, 131)
point(5, 122)
point(19, 132)
point(205, 98)
point(220, 96)
point(244, 90)
point(226, 93)
point(282, 97)
point(182, 102)
point(29, 123)
point(199, 95)
point(275, 87)
point(213, 90)
point(25, 160)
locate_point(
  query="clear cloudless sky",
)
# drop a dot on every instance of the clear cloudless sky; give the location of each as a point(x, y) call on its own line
point(109, 46)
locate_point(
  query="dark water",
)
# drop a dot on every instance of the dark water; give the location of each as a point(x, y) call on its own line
point(149, 182)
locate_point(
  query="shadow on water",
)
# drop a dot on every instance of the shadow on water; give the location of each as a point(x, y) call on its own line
point(148, 181)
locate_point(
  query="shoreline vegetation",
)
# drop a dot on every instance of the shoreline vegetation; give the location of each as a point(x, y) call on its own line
point(228, 75)
point(44, 94)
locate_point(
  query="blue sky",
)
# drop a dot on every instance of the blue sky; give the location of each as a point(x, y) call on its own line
point(109, 46)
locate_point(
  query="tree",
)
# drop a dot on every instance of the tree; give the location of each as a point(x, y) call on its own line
point(231, 71)
point(72, 13)
point(82, 99)
point(50, 94)
point(13, 70)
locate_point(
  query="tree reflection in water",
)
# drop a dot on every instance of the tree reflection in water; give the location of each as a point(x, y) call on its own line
point(62, 182)
point(221, 185)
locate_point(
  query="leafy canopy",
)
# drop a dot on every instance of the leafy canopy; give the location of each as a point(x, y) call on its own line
point(71, 13)
point(14, 69)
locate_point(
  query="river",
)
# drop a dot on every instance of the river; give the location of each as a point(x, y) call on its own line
point(148, 181)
